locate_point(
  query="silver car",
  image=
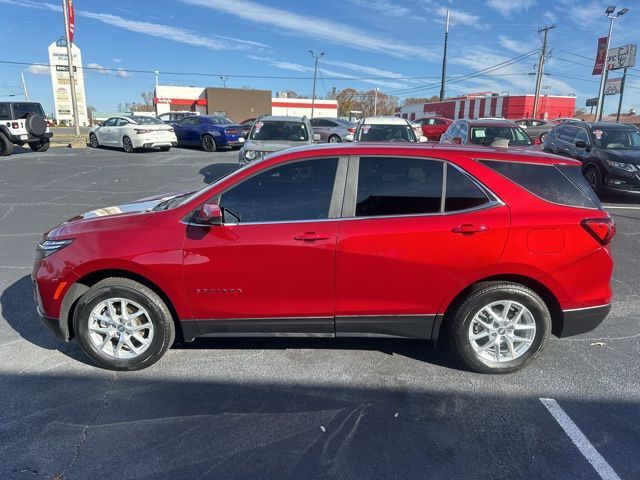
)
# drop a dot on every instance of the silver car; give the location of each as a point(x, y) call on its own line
point(333, 130)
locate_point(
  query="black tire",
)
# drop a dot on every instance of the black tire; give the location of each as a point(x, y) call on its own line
point(127, 145)
point(542, 135)
point(334, 139)
point(41, 146)
point(208, 143)
point(594, 177)
point(35, 124)
point(159, 316)
point(483, 294)
point(165, 149)
point(6, 147)
point(93, 141)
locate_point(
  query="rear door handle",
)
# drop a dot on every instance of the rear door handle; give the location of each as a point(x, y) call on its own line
point(469, 229)
point(312, 236)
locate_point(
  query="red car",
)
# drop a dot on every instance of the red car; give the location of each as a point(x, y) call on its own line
point(492, 249)
point(434, 127)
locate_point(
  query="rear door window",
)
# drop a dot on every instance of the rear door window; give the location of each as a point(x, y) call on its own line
point(547, 182)
point(398, 186)
point(567, 134)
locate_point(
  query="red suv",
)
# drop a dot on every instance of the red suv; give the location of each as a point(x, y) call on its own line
point(492, 249)
point(434, 127)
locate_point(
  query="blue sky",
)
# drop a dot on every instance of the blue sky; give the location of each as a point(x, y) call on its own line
point(395, 46)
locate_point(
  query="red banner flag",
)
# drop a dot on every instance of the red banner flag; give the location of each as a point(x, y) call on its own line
point(72, 19)
point(601, 56)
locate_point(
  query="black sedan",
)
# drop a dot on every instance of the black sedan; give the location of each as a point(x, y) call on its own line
point(610, 152)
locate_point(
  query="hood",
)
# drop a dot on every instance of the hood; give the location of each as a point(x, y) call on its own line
point(272, 145)
point(625, 156)
point(137, 206)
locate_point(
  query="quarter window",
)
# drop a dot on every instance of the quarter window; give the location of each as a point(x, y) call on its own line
point(461, 192)
point(5, 113)
point(290, 192)
point(398, 186)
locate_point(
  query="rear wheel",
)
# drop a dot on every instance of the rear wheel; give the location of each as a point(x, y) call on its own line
point(123, 325)
point(592, 174)
point(335, 139)
point(127, 145)
point(6, 147)
point(41, 146)
point(93, 140)
point(499, 328)
point(541, 137)
point(165, 149)
point(208, 143)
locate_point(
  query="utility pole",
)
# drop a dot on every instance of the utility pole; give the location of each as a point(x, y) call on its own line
point(26, 92)
point(624, 78)
point(444, 56)
point(543, 54)
point(375, 102)
point(315, 74)
point(157, 77)
point(72, 75)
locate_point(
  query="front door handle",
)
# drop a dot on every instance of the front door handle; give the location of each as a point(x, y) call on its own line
point(469, 229)
point(312, 236)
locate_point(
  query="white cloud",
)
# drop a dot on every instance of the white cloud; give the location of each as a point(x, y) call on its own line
point(102, 70)
point(116, 60)
point(122, 73)
point(374, 72)
point(507, 7)
point(550, 16)
point(514, 45)
point(39, 69)
point(386, 7)
point(98, 68)
point(314, 27)
point(460, 17)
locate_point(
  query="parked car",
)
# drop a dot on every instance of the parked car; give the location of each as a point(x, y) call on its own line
point(332, 130)
point(530, 122)
point(434, 127)
point(386, 129)
point(246, 125)
point(487, 133)
point(23, 123)
point(492, 253)
point(272, 133)
point(609, 152)
point(210, 132)
point(133, 132)
point(172, 117)
point(539, 131)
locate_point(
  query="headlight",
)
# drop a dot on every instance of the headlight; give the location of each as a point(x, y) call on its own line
point(46, 248)
point(250, 154)
point(627, 167)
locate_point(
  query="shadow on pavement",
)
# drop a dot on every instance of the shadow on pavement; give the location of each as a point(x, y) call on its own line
point(213, 172)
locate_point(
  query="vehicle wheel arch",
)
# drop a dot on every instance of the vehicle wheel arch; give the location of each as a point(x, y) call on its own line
point(84, 283)
point(552, 303)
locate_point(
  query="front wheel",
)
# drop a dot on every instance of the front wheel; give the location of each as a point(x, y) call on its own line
point(592, 175)
point(6, 147)
point(499, 328)
point(127, 145)
point(41, 146)
point(208, 143)
point(123, 325)
point(93, 141)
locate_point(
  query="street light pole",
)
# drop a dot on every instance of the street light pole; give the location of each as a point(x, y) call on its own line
point(609, 11)
point(375, 102)
point(315, 74)
point(157, 79)
point(26, 92)
point(224, 81)
point(72, 75)
point(444, 56)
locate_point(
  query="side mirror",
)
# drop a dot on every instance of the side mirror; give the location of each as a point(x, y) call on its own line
point(457, 141)
point(209, 214)
point(316, 137)
point(537, 141)
point(99, 124)
point(423, 139)
point(581, 144)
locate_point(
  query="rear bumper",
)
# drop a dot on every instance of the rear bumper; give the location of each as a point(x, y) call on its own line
point(582, 320)
point(30, 138)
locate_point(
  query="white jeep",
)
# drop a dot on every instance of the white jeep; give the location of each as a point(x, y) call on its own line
point(20, 123)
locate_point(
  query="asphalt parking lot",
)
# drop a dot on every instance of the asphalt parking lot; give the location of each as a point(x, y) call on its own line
point(289, 408)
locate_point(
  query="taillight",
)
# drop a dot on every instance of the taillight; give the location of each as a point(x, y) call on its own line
point(140, 131)
point(15, 125)
point(351, 130)
point(602, 229)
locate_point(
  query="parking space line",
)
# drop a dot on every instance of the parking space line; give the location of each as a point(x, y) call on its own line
point(620, 207)
point(578, 438)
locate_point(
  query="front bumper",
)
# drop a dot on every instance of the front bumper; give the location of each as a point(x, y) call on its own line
point(622, 181)
point(582, 320)
point(52, 324)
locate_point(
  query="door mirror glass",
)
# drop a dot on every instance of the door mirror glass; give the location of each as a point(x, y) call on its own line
point(581, 144)
point(423, 139)
point(209, 214)
point(316, 137)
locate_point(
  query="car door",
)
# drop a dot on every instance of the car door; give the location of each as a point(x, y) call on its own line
point(182, 129)
point(270, 266)
point(564, 141)
point(106, 132)
point(578, 153)
point(120, 129)
point(404, 246)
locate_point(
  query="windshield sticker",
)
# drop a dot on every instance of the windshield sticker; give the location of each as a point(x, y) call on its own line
point(479, 133)
point(598, 134)
point(259, 126)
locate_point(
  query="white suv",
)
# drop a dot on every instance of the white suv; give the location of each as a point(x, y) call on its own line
point(20, 123)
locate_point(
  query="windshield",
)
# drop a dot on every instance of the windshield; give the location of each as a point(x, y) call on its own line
point(386, 133)
point(279, 130)
point(616, 138)
point(142, 120)
point(487, 135)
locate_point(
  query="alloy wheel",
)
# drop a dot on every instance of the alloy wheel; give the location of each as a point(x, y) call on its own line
point(93, 140)
point(502, 331)
point(127, 145)
point(120, 328)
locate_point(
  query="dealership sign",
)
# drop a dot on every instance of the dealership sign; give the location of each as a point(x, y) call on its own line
point(600, 56)
point(613, 86)
point(621, 57)
point(61, 82)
